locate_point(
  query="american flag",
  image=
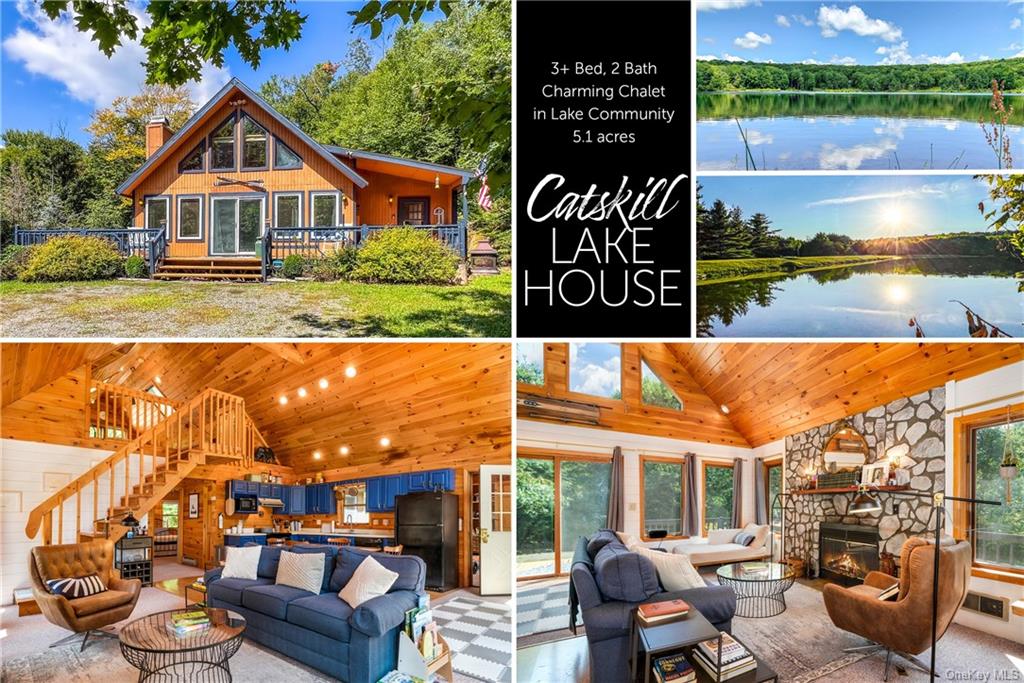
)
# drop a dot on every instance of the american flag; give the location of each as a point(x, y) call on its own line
point(483, 197)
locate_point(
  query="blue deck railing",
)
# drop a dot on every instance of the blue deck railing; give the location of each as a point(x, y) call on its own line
point(279, 243)
point(149, 243)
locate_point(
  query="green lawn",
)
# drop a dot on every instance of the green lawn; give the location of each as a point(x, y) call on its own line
point(709, 272)
point(127, 308)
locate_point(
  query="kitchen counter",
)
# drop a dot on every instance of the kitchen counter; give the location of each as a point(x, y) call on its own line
point(244, 533)
point(368, 533)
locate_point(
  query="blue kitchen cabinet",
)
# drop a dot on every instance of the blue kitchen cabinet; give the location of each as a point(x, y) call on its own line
point(277, 491)
point(394, 486)
point(325, 499)
point(442, 479)
point(296, 501)
point(311, 499)
point(419, 481)
point(240, 540)
point(375, 495)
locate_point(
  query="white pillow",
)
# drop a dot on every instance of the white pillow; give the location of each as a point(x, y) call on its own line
point(759, 532)
point(301, 570)
point(675, 572)
point(722, 536)
point(628, 540)
point(369, 580)
point(241, 563)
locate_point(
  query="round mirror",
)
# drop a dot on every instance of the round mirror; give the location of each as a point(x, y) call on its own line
point(846, 450)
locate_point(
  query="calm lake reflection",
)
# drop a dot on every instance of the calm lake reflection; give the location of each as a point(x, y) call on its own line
point(874, 300)
point(843, 131)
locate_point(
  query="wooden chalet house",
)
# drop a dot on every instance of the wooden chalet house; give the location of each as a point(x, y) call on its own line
point(240, 187)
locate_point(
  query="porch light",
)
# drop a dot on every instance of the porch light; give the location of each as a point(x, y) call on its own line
point(302, 392)
point(283, 400)
point(391, 199)
point(437, 182)
point(350, 371)
point(343, 450)
point(323, 383)
point(385, 441)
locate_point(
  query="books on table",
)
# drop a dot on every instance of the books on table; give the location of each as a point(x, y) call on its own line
point(673, 669)
point(653, 613)
point(735, 660)
point(184, 623)
point(890, 592)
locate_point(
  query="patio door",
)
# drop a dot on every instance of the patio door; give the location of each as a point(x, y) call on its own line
point(237, 223)
point(495, 529)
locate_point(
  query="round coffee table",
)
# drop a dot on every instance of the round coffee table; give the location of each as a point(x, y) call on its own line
point(759, 586)
point(159, 654)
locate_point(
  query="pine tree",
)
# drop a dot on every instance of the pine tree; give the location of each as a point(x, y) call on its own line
point(712, 232)
point(737, 237)
point(763, 241)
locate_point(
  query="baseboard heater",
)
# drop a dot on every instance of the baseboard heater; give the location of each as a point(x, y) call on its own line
point(189, 561)
point(989, 605)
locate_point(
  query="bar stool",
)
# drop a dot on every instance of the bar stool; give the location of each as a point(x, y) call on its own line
point(337, 540)
point(393, 549)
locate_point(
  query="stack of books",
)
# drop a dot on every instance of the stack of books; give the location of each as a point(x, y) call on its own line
point(675, 668)
point(655, 613)
point(184, 623)
point(736, 659)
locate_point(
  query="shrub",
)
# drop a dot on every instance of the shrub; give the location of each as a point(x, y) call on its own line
point(405, 255)
point(135, 266)
point(335, 266)
point(73, 258)
point(294, 265)
point(14, 260)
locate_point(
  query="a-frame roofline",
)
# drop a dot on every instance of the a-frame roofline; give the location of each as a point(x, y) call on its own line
point(153, 161)
point(389, 158)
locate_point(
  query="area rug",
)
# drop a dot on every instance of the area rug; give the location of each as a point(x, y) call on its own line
point(479, 633)
point(543, 610)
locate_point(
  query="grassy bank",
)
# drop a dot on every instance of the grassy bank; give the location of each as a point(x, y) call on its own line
point(709, 272)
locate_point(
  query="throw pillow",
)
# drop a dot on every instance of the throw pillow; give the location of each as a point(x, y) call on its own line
point(722, 536)
point(743, 538)
point(77, 587)
point(600, 540)
point(675, 572)
point(241, 563)
point(370, 580)
point(628, 540)
point(301, 570)
point(760, 533)
point(624, 575)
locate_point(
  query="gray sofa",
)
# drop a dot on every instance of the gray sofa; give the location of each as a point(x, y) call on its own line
point(322, 630)
point(631, 580)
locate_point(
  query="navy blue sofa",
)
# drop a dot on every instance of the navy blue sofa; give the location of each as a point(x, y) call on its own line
point(602, 560)
point(322, 630)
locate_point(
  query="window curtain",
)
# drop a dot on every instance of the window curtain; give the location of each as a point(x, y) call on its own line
point(615, 493)
point(691, 515)
point(737, 493)
point(760, 502)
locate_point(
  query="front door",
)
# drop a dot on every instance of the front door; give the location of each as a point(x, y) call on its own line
point(413, 210)
point(237, 224)
point(495, 529)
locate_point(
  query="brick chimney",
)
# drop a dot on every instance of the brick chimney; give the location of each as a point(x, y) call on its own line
point(157, 133)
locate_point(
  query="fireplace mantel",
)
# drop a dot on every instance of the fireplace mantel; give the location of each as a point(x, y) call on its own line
point(845, 489)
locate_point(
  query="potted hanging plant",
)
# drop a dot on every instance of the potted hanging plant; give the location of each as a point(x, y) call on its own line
point(1008, 466)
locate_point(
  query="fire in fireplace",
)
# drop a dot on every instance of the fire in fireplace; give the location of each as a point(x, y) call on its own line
point(847, 552)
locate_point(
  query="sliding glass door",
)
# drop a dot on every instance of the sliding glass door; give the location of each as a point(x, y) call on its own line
point(558, 499)
point(237, 222)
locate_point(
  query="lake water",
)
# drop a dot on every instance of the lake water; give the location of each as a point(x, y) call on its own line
point(843, 131)
point(874, 300)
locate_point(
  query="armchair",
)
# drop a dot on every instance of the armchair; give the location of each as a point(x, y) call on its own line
point(82, 615)
point(903, 626)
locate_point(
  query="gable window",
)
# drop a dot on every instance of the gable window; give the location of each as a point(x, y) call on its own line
point(157, 211)
point(190, 218)
point(288, 210)
point(530, 363)
point(596, 369)
point(222, 146)
point(284, 157)
point(718, 491)
point(254, 144)
point(655, 392)
point(661, 488)
point(325, 208)
point(193, 161)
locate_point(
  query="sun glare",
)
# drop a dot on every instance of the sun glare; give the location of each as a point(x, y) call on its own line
point(893, 216)
point(896, 294)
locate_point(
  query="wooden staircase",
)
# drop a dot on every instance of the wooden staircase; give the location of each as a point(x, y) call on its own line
point(212, 428)
point(230, 268)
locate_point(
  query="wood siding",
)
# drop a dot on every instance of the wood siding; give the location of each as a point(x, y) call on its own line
point(373, 205)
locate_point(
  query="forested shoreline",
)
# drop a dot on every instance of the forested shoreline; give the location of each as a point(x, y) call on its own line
point(719, 75)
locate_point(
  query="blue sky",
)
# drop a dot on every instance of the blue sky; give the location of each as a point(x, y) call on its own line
point(595, 369)
point(859, 206)
point(53, 77)
point(919, 32)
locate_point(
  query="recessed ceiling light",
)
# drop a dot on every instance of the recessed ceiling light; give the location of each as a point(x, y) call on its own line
point(725, 408)
point(385, 441)
point(343, 450)
point(350, 371)
point(302, 392)
point(157, 379)
point(283, 400)
point(316, 455)
point(323, 382)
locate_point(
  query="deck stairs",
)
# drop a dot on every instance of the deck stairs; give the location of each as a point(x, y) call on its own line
point(226, 268)
point(212, 428)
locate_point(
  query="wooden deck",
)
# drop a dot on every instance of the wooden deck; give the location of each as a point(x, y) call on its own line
point(229, 268)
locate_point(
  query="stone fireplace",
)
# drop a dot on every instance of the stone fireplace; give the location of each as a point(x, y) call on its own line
point(847, 552)
point(918, 423)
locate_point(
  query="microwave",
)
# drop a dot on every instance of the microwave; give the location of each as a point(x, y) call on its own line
point(245, 504)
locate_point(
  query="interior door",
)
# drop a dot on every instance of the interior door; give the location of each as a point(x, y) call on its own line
point(495, 529)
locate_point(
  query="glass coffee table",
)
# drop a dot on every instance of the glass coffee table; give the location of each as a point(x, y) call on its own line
point(760, 587)
point(161, 655)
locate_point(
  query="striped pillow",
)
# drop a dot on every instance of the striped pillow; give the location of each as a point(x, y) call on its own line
point(77, 587)
point(743, 538)
point(301, 570)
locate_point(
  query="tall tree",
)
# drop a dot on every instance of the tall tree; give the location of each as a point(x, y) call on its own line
point(712, 236)
point(763, 240)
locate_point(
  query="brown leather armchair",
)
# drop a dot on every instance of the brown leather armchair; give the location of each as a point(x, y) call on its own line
point(903, 626)
point(82, 615)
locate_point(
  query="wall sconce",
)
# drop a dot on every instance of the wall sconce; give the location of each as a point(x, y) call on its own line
point(437, 182)
point(391, 199)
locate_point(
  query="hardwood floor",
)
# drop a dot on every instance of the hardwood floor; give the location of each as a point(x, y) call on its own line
point(563, 660)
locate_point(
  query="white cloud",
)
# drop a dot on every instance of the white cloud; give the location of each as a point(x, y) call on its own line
point(58, 51)
point(844, 61)
point(712, 5)
point(1015, 24)
point(593, 378)
point(801, 19)
point(756, 137)
point(951, 58)
point(781, 20)
point(983, 58)
point(896, 54)
point(896, 194)
point(726, 57)
point(1019, 54)
point(832, 20)
point(751, 40)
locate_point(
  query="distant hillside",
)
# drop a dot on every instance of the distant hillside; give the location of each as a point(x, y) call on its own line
point(970, 77)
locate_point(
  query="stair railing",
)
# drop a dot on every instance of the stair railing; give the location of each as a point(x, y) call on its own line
point(213, 424)
point(119, 413)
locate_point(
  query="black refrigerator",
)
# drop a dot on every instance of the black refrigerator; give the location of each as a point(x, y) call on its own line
point(427, 525)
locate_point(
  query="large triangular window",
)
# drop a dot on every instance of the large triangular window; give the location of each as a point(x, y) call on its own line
point(193, 161)
point(284, 157)
point(654, 392)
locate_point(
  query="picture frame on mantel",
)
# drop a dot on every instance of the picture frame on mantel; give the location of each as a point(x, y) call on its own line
point(875, 474)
